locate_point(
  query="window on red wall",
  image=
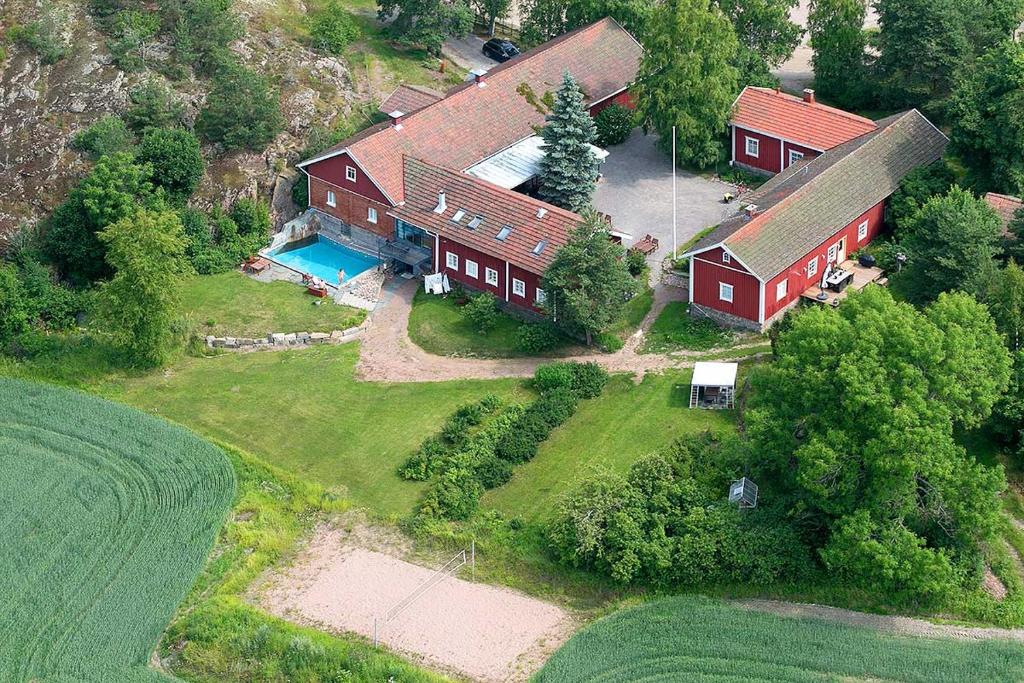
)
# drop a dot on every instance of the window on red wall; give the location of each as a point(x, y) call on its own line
point(781, 290)
point(491, 276)
point(753, 147)
point(452, 260)
point(518, 287)
point(350, 173)
point(472, 269)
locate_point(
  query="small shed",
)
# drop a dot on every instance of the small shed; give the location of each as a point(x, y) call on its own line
point(744, 493)
point(713, 385)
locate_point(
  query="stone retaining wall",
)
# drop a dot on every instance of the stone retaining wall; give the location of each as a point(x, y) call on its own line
point(281, 340)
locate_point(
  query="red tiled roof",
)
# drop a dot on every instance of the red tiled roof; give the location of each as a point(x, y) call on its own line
point(810, 124)
point(409, 98)
point(1004, 205)
point(472, 122)
point(498, 206)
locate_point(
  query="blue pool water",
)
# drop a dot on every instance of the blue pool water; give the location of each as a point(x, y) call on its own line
point(323, 258)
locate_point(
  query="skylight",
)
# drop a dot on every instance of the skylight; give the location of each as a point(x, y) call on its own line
point(505, 231)
point(540, 247)
point(475, 223)
point(458, 215)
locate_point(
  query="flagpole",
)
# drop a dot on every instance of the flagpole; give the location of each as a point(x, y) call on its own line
point(674, 246)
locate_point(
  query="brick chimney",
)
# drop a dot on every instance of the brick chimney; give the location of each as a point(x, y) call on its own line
point(808, 96)
point(396, 118)
point(479, 76)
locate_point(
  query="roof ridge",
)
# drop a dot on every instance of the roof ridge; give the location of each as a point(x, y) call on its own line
point(802, 191)
point(796, 99)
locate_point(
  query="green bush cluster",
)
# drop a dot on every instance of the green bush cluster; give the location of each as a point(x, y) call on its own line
point(108, 135)
point(218, 241)
point(668, 523)
point(482, 312)
point(32, 299)
point(535, 338)
point(454, 434)
point(636, 262)
point(332, 28)
point(43, 36)
point(614, 124)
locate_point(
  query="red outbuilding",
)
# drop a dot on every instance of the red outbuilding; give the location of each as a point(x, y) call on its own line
point(770, 130)
point(799, 229)
point(472, 145)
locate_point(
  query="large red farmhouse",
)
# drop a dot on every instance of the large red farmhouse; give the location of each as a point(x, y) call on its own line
point(804, 222)
point(772, 130)
point(442, 176)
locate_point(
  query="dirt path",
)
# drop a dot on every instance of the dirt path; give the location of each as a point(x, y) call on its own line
point(388, 355)
point(888, 624)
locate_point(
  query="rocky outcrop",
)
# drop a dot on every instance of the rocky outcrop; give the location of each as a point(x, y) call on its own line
point(43, 106)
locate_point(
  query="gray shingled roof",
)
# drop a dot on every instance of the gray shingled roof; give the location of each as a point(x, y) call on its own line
point(810, 201)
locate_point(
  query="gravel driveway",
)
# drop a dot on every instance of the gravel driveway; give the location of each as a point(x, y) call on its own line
point(636, 191)
point(465, 52)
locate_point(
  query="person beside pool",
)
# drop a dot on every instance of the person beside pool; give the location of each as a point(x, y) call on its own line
point(341, 276)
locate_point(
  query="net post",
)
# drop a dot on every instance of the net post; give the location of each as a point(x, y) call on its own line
point(472, 555)
point(375, 631)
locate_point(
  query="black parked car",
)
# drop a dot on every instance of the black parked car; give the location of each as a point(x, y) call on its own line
point(500, 50)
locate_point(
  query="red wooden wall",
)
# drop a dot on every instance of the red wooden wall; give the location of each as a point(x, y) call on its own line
point(623, 99)
point(769, 154)
point(333, 171)
point(796, 274)
point(808, 152)
point(746, 288)
point(484, 261)
point(351, 207)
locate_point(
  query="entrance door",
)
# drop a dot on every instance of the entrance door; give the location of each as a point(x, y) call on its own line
point(841, 251)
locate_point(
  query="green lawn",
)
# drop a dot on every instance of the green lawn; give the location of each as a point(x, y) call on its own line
point(231, 304)
point(700, 639)
point(676, 330)
point(304, 411)
point(633, 313)
point(438, 326)
point(625, 423)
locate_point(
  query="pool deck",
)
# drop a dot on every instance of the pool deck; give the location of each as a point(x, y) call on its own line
point(362, 291)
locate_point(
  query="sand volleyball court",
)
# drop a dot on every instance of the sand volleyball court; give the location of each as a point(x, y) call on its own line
point(477, 630)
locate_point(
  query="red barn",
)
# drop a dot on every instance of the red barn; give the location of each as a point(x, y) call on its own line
point(772, 130)
point(804, 222)
point(481, 127)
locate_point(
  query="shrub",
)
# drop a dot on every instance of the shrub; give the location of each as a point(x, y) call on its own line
point(108, 135)
point(242, 111)
point(534, 338)
point(132, 30)
point(492, 472)
point(482, 312)
point(517, 447)
point(589, 379)
point(14, 309)
point(636, 262)
point(44, 36)
point(609, 342)
point(455, 496)
point(552, 409)
point(553, 376)
point(614, 124)
point(332, 28)
point(152, 106)
point(176, 160)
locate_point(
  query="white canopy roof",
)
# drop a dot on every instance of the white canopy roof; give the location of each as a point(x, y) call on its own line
point(513, 166)
point(706, 374)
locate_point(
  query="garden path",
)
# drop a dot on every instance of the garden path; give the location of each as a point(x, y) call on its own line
point(388, 355)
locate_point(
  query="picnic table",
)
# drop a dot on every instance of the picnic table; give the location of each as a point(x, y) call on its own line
point(647, 246)
point(256, 265)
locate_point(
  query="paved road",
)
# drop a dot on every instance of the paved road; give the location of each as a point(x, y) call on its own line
point(465, 52)
point(636, 191)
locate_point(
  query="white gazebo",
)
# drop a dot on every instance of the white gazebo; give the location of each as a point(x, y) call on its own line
point(713, 385)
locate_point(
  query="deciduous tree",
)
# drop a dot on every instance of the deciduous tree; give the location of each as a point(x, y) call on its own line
point(839, 42)
point(951, 243)
point(687, 78)
point(766, 37)
point(426, 22)
point(139, 306)
point(987, 113)
point(856, 419)
point(568, 170)
point(176, 160)
point(587, 284)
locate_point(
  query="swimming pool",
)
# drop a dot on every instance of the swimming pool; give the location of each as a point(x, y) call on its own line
point(323, 258)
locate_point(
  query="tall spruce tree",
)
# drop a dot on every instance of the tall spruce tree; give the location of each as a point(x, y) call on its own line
point(568, 171)
point(688, 79)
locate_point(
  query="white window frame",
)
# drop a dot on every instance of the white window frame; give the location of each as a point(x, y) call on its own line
point(539, 296)
point(472, 269)
point(332, 199)
point(862, 231)
point(371, 214)
point(518, 287)
point(725, 291)
point(812, 267)
point(491, 276)
point(350, 174)
point(756, 147)
point(726, 258)
point(795, 156)
point(833, 253)
point(451, 260)
point(782, 290)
